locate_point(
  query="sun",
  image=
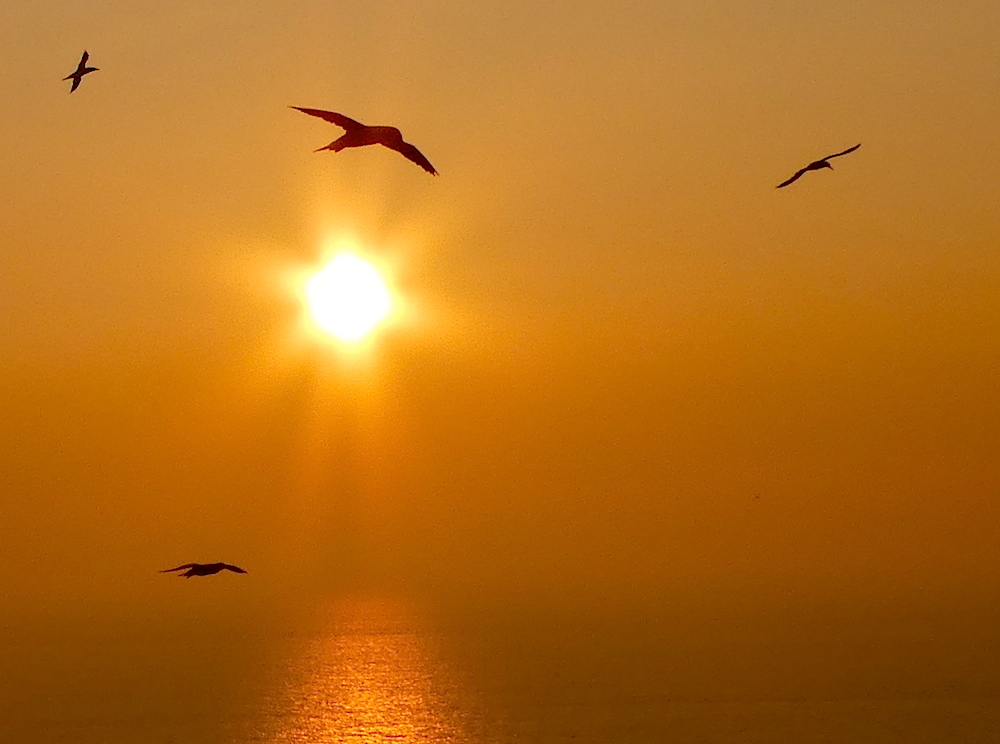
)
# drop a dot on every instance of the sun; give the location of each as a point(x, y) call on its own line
point(348, 297)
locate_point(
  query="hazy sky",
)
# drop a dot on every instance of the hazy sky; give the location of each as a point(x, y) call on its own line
point(628, 364)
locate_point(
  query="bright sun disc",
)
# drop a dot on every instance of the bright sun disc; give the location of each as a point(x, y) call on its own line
point(348, 297)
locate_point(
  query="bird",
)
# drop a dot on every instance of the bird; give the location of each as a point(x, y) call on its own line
point(817, 165)
point(359, 135)
point(203, 569)
point(80, 71)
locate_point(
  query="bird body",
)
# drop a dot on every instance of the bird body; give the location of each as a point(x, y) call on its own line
point(79, 72)
point(203, 569)
point(360, 135)
point(817, 165)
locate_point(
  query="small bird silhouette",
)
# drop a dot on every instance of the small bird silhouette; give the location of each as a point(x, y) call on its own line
point(359, 135)
point(203, 569)
point(80, 71)
point(818, 165)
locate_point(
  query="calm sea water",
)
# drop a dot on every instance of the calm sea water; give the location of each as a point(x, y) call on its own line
point(372, 670)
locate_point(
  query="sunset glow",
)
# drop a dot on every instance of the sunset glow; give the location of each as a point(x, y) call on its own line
point(348, 297)
point(605, 373)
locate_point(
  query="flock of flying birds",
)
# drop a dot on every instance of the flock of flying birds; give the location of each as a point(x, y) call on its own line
point(357, 134)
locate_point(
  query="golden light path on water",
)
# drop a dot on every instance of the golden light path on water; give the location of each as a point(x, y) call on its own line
point(368, 676)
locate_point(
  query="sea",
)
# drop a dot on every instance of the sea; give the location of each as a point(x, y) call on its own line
point(375, 669)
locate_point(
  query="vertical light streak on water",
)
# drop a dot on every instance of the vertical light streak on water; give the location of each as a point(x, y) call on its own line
point(369, 676)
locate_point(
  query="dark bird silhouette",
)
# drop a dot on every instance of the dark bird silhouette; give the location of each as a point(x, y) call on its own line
point(80, 71)
point(203, 569)
point(359, 135)
point(818, 165)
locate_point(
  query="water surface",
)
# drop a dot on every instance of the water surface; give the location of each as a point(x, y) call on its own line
point(373, 670)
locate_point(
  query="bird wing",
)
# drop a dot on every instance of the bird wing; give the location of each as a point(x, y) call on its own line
point(411, 153)
point(235, 569)
point(339, 119)
point(792, 179)
point(849, 149)
point(76, 84)
point(84, 58)
point(179, 568)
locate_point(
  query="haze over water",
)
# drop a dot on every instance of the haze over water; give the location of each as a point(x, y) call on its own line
point(650, 451)
point(369, 668)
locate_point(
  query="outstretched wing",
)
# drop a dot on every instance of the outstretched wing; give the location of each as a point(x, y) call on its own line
point(179, 568)
point(235, 569)
point(793, 179)
point(84, 58)
point(411, 153)
point(76, 83)
point(339, 119)
point(849, 149)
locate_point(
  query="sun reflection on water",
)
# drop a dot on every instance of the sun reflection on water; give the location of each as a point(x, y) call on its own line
point(371, 678)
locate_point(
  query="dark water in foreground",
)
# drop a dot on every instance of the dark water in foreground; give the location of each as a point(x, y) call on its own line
point(372, 671)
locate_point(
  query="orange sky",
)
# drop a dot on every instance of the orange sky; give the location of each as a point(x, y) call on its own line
point(630, 366)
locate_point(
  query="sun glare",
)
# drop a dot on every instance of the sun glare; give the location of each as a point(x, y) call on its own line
point(348, 297)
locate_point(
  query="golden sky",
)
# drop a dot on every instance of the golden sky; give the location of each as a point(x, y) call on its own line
point(629, 364)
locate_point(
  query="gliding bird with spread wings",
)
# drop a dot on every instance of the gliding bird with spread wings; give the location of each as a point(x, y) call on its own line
point(79, 72)
point(818, 165)
point(359, 135)
point(203, 569)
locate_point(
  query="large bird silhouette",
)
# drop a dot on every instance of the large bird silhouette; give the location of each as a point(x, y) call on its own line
point(359, 135)
point(80, 71)
point(817, 165)
point(203, 569)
